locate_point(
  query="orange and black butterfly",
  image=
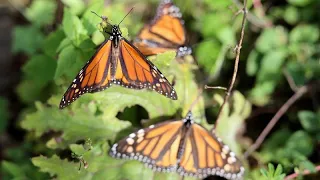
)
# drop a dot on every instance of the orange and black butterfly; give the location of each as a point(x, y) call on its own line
point(118, 62)
point(165, 32)
point(180, 146)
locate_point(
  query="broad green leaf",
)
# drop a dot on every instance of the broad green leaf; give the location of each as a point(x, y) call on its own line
point(299, 3)
point(70, 62)
point(86, 124)
point(41, 12)
point(52, 42)
point(40, 70)
point(304, 33)
point(271, 39)
point(291, 15)
point(253, 63)
point(73, 27)
point(29, 91)
point(207, 54)
point(309, 120)
point(13, 169)
point(301, 142)
point(227, 36)
point(27, 39)
point(90, 20)
point(76, 7)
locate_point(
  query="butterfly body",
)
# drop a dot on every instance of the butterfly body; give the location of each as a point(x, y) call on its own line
point(165, 32)
point(117, 62)
point(180, 146)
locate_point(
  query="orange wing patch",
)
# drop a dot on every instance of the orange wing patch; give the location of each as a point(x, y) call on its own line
point(90, 77)
point(156, 146)
point(141, 72)
point(209, 156)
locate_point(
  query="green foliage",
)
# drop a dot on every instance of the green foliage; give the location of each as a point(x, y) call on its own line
point(273, 174)
point(41, 12)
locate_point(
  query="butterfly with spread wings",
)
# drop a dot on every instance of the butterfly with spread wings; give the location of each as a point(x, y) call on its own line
point(118, 62)
point(180, 146)
point(165, 32)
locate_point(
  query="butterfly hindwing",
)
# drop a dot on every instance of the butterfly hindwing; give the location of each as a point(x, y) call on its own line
point(205, 154)
point(165, 32)
point(157, 146)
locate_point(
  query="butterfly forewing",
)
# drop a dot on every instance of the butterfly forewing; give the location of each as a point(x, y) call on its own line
point(91, 77)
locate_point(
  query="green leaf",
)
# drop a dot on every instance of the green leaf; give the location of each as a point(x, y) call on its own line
point(309, 121)
point(253, 63)
point(271, 39)
point(76, 7)
point(304, 33)
point(301, 142)
point(40, 70)
point(13, 169)
point(207, 54)
point(52, 42)
point(291, 15)
point(27, 39)
point(300, 3)
point(81, 125)
point(73, 27)
point(41, 12)
point(227, 36)
point(67, 59)
point(90, 20)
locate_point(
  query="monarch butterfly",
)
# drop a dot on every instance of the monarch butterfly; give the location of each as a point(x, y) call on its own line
point(165, 32)
point(180, 146)
point(118, 62)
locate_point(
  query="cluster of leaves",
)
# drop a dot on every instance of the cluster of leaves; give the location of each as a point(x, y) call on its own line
point(56, 56)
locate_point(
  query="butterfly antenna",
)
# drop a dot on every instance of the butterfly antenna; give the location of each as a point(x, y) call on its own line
point(125, 16)
point(104, 18)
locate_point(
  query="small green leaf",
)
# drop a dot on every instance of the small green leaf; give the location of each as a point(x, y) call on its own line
point(291, 15)
point(76, 7)
point(309, 121)
point(66, 60)
point(90, 20)
point(300, 3)
point(73, 27)
point(253, 63)
point(13, 169)
point(41, 12)
point(27, 39)
point(304, 33)
point(271, 39)
point(40, 69)
point(301, 142)
point(52, 42)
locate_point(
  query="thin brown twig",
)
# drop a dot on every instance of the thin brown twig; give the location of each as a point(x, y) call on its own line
point(236, 64)
point(215, 87)
point(305, 172)
point(300, 92)
point(254, 19)
point(290, 80)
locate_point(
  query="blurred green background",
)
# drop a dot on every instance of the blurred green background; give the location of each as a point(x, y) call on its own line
point(44, 43)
